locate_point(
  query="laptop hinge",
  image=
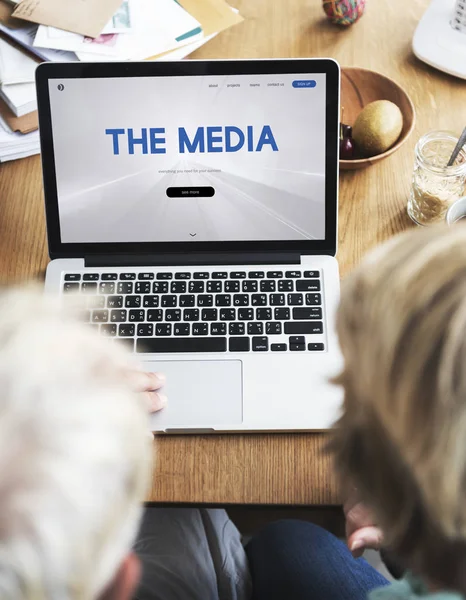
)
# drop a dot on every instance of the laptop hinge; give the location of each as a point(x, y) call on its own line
point(192, 259)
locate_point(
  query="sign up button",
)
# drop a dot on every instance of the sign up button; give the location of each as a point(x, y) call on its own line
point(191, 192)
point(304, 83)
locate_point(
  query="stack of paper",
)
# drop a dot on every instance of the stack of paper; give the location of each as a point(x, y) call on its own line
point(32, 31)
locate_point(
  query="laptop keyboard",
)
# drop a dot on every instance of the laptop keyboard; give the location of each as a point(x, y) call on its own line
point(203, 311)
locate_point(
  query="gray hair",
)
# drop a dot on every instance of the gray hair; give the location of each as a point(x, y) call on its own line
point(74, 454)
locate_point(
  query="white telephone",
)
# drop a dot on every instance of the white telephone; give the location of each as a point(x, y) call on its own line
point(440, 37)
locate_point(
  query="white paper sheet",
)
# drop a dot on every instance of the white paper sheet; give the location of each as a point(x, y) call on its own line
point(25, 37)
point(15, 66)
point(20, 97)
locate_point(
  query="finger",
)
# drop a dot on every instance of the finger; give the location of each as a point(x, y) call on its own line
point(154, 401)
point(142, 381)
point(366, 537)
point(358, 516)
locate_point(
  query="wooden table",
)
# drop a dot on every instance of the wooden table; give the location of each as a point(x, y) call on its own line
point(274, 469)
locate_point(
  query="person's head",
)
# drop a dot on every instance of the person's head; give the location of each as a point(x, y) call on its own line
point(74, 458)
point(401, 439)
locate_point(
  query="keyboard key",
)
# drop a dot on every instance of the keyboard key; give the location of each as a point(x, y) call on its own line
point(126, 330)
point(285, 286)
point(145, 329)
point(256, 274)
point(295, 299)
point(114, 301)
point(267, 286)
point(164, 275)
point(240, 300)
point(155, 315)
point(182, 275)
point(127, 276)
point(223, 300)
point(315, 346)
point(88, 287)
point(274, 274)
point(109, 276)
point(239, 344)
point(297, 347)
point(232, 286)
point(293, 274)
point(173, 314)
point(200, 329)
point(203, 275)
point(160, 287)
point(310, 313)
point(187, 344)
point(214, 287)
point(181, 329)
point(227, 314)
point(191, 314)
point(311, 274)
point(150, 301)
point(237, 329)
point(108, 330)
point(278, 347)
point(125, 287)
point(304, 327)
point(169, 301)
point(163, 329)
point(73, 277)
point(273, 328)
point(255, 328)
point(218, 329)
point(118, 316)
point(136, 315)
point(84, 316)
point(99, 316)
point(91, 277)
point(133, 301)
point(298, 339)
point(107, 288)
point(259, 299)
point(281, 314)
point(219, 275)
point(209, 314)
point(145, 276)
point(205, 300)
point(263, 314)
point(250, 286)
point(309, 285)
point(277, 299)
point(238, 275)
point(313, 299)
point(260, 344)
point(188, 300)
point(196, 287)
point(98, 302)
point(142, 287)
point(71, 287)
point(245, 314)
point(128, 343)
point(178, 287)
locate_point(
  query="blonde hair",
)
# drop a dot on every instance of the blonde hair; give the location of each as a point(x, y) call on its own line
point(402, 436)
point(74, 454)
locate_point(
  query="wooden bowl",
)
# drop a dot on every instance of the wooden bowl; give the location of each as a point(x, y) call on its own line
point(358, 88)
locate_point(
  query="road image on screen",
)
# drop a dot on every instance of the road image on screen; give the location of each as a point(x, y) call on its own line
point(198, 158)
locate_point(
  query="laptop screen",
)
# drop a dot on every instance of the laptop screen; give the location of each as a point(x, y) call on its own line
point(204, 158)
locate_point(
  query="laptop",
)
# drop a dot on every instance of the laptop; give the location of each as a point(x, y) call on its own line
point(194, 206)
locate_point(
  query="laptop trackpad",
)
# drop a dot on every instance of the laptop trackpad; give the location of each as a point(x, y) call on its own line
point(202, 394)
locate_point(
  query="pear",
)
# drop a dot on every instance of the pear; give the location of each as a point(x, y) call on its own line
point(377, 127)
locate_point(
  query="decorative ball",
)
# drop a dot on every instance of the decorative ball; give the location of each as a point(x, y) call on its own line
point(344, 12)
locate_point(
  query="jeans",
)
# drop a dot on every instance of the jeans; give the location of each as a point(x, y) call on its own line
point(295, 560)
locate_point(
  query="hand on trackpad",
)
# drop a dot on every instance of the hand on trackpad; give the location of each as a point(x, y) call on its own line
point(201, 394)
